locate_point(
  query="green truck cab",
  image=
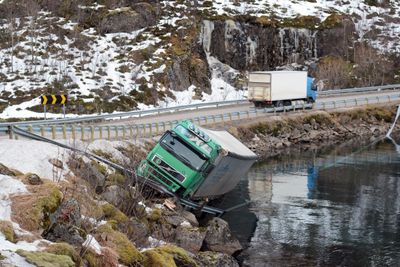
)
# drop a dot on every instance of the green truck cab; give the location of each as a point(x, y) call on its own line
point(185, 157)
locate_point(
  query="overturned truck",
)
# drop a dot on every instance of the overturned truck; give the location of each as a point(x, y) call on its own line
point(196, 163)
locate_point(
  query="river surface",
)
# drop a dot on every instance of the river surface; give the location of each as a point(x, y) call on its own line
point(336, 207)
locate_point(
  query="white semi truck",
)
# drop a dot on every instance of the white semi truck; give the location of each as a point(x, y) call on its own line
point(280, 88)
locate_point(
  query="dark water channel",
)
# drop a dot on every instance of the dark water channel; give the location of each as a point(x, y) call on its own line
point(335, 207)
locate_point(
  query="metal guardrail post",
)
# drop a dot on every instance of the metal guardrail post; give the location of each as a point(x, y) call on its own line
point(130, 131)
point(389, 99)
point(124, 132)
point(82, 133)
point(73, 132)
point(366, 100)
point(10, 131)
point(53, 132)
point(116, 131)
point(230, 116)
point(108, 133)
point(42, 131)
point(377, 99)
point(92, 133)
point(101, 132)
point(64, 131)
point(157, 129)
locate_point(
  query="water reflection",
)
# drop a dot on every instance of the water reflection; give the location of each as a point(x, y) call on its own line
point(327, 210)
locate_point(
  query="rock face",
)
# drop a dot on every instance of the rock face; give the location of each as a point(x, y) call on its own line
point(64, 224)
point(219, 238)
point(248, 46)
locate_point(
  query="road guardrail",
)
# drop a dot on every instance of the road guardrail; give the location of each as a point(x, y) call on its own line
point(146, 130)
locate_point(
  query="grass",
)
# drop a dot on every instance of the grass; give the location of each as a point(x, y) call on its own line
point(7, 230)
point(45, 259)
point(32, 210)
point(166, 255)
point(127, 252)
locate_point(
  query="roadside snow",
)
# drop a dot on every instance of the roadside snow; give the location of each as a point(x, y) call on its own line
point(33, 156)
point(8, 185)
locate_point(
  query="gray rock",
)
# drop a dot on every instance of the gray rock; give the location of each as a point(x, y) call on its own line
point(34, 179)
point(216, 259)
point(57, 163)
point(190, 217)
point(189, 238)
point(65, 223)
point(115, 195)
point(6, 171)
point(136, 231)
point(219, 238)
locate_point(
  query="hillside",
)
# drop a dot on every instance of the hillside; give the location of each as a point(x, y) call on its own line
point(123, 55)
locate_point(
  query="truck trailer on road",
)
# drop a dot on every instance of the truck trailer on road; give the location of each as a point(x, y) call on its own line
point(280, 88)
point(197, 163)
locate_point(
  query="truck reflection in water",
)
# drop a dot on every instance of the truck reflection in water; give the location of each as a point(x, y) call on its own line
point(346, 214)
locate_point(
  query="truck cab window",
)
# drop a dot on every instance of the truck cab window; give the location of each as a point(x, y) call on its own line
point(182, 151)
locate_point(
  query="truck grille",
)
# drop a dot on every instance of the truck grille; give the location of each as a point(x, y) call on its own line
point(171, 171)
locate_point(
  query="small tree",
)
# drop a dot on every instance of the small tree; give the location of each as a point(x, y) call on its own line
point(335, 72)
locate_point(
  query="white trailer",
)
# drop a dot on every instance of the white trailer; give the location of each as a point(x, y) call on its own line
point(280, 88)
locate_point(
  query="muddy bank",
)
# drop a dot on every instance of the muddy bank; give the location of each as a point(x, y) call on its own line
point(282, 135)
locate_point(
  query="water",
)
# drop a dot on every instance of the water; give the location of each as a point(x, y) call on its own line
point(338, 207)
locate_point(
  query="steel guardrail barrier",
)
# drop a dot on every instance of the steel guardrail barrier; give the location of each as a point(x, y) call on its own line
point(147, 130)
point(217, 104)
point(143, 180)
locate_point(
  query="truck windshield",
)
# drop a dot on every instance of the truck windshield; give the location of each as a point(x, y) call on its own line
point(182, 151)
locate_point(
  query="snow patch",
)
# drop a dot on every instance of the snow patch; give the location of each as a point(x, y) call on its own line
point(8, 186)
point(33, 156)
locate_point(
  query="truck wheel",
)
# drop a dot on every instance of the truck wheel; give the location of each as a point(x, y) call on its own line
point(279, 104)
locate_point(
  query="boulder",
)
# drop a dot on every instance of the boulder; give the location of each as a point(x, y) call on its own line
point(219, 238)
point(189, 238)
point(115, 195)
point(65, 223)
point(136, 231)
point(34, 179)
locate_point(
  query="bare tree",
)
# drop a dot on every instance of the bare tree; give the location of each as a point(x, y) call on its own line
point(334, 71)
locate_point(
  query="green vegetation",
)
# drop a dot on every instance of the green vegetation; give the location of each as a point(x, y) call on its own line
point(32, 211)
point(165, 255)
point(45, 259)
point(6, 228)
point(127, 252)
point(112, 213)
point(2, 257)
point(64, 249)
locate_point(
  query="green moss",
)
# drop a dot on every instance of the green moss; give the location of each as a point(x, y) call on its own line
point(92, 259)
point(64, 249)
point(155, 215)
point(127, 252)
point(116, 178)
point(2, 257)
point(112, 213)
point(166, 255)
point(45, 205)
point(45, 259)
point(308, 22)
point(8, 231)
